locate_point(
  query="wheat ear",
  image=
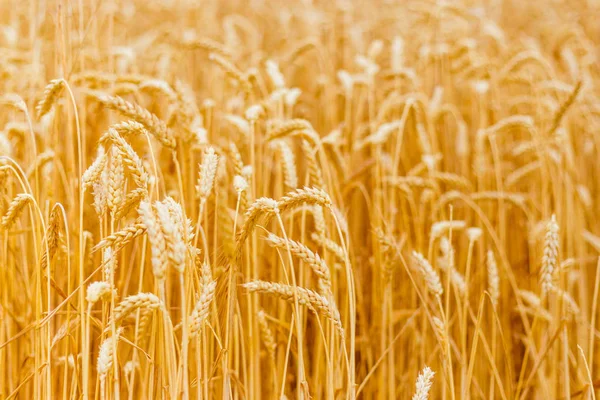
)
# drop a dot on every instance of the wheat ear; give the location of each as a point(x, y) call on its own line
point(314, 301)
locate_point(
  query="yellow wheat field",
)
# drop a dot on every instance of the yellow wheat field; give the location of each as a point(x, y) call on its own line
point(296, 199)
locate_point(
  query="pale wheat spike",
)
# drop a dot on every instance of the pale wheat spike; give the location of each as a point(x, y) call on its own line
point(288, 160)
point(314, 170)
point(308, 256)
point(567, 298)
point(423, 385)
point(109, 264)
point(105, 359)
point(240, 184)
point(131, 201)
point(275, 74)
point(159, 86)
point(431, 277)
point(142, 116)
point(14, 210)
point(441, 227)
point(493, 277)
point(330, 245)
point(120, 238)
point(136, 301)
point(306, 297)
point(55, 223)
point(92, 174)
point(116, 182)
point(304, 195)
point(549, 260)
point(100, 193)
point(266, 334)
point(262, 207)
point(232, 71)
point(130, 159)
point(96, 291)
point(202, 308)
point(300, 127)
point(51, 93)
point(207, 172)
point(172, 231)
point(158, 245)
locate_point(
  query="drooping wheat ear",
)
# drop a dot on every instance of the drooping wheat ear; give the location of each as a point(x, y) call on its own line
point(52, 236)
point(105, 358)
point(100, 193)
point(508, 124)
point(51, 93)
point(231, 71)
point(423, 385)
point(288, 161)
point(207, 44)
point(130, 159)
point(493, 277)
point(207, 173)
point(254, 112)
point(304, 195)
point(308, 256)
point(158, 245)
point(172, 231)
point(266, 334)
point(441, 227)
point(185, 226)
point(109, 264)
point(240, 123)
point(143, 322)
point(566, 297)
point(474, 233)
point(64, 330)
point(236, 159)
point(295, 127)
point(314, 301)
point(549, 260)
point(565, 106)
point(458, 181)
point(207, 294)
point(530, 298)
point(94, 171)
point(120, 238)
point(131, 202)
point(315, 174)
point(116, 181)
point(14, 210)
point(159, 86)
point(240, 184)
point(263, 207)
point(432, 279)
point(330, 245)
point(148, 301)
point(275, 74)
point(96, 291)
point(13, 100)
point(40, 161)
point(142, 116)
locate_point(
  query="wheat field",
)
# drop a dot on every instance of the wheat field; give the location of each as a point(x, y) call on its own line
point(296, 199)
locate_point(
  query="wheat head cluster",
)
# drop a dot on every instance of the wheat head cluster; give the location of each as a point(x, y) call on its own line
point(296, 199)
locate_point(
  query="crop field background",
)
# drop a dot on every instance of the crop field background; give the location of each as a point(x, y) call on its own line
point(326, 199)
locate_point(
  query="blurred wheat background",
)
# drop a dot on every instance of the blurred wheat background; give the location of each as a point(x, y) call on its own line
point(327, 199)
